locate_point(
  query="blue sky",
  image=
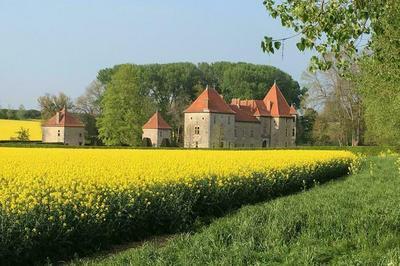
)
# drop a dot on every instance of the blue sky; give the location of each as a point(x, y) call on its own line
point(60, 45)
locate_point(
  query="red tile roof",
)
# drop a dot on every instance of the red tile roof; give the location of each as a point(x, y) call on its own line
point(243, 114)
point(209, 101)
point(276, 102)
point(156, 122)
point(63, 119)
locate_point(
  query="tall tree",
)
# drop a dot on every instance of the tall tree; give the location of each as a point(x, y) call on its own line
point(345, 104)
point(21, 113)
point(125, 108)
point(50, 104)
point(88, 107)
point(379, 78)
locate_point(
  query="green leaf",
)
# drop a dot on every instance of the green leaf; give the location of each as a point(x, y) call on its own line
point(277, 45)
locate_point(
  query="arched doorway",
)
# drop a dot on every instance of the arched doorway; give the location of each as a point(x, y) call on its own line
point(264, 144)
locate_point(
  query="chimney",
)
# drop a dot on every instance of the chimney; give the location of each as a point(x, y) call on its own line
point(57, 117)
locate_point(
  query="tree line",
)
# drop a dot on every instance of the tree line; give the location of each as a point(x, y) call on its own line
point(19, 114)
point(115, 106)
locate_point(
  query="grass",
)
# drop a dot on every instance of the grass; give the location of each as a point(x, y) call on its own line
point(351, 221)
point(8, 128)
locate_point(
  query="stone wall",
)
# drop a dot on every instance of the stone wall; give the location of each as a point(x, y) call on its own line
point(68, 135)
point(191, 138)
point(222, 130)
point(53, 134)
point(248, 134)
point(157, 135)
point(74, 136)
point(281, 132)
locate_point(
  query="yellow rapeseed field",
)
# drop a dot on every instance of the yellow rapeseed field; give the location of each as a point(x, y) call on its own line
point(103, 192)
point(8, 128)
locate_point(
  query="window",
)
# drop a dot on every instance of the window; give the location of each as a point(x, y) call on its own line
point(235, 132)
point(197, 130)
point(293, 132)
point(294, 119)
point(191, 118)
point(215, 119)
point(196, 144)
point(251, 133)
point(202, 118)
point(80, 135)
point(229, 120)
point(58, 133)
point(286, 132)
point(160, 133)
point(80, 143)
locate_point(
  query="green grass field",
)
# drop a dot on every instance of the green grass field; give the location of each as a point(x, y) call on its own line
point(351, 221)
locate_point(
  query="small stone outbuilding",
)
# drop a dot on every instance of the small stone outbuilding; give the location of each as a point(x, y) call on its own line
point(64, 128)
point(157, 130)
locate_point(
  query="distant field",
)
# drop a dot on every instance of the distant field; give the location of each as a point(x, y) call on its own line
point(8, 128)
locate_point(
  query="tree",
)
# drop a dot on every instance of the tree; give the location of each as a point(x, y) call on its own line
point(328, 26)
point(329, 87)
point(379, 78)
point(88, 107)
point(305, 126)
point(21, 113)
point(10, 113)
point(125, 107)
point(50, 104)
point(23, 134)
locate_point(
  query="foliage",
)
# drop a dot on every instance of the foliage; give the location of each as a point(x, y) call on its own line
point(13, 114)
point(50, 104)
point(379, 78)
point(328, 26)
point(305, 125)
point(23, 134)
point(351, 222)
point(88, 108)
point(21, 113)
point(55, 202)
point(172, 87)
point(125, 107)
point(342, 109)
point(10, 127)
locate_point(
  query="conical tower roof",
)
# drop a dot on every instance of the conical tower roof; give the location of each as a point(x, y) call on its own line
point(156, 122)
point(209, 101)
point(276, 102)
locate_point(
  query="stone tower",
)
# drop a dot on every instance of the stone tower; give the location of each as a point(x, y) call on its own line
point(157, 130)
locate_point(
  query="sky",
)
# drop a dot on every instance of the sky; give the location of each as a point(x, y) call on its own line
point(50, 46)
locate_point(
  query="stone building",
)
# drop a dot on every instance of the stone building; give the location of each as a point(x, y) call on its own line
point(212, 123)
point(64, 128)
point(157, 130)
